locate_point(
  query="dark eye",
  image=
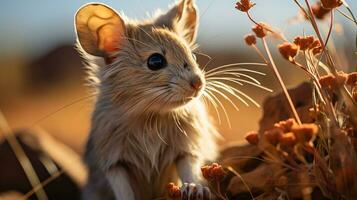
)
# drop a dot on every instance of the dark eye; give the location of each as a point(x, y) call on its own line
point(156, 61)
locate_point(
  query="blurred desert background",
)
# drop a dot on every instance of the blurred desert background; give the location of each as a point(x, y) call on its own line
point(42, 77)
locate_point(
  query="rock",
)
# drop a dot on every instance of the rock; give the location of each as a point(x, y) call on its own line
point(276, 108)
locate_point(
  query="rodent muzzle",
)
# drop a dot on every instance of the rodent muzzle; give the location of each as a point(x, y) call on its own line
point(196, 83)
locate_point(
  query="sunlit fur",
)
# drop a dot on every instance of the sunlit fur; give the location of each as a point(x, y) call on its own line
point(146, 120)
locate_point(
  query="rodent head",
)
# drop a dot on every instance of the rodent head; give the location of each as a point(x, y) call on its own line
point(148, 66)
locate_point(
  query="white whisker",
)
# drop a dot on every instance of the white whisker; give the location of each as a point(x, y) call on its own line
point(238, 81)
point(220, 104)
point(215, 106)
point(229, 89)
point(213, 88)
point(238, 75)
point(234, 64)
point(243, 94)
point(237, 70)
point(178, 124)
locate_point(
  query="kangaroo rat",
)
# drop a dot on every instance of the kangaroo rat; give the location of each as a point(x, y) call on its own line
point(149, 126)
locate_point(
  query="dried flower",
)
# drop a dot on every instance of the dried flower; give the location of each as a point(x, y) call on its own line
point(352, 79)
point(273, 135)
point(250, 39)
point(341, 78)
point(288, 50)
point(285, 125)
point(331, 4)
point(213, 172)
point(244, 5)
point(305, 132)
point(317, 50)
point(319, 11)
point(327, 81)
point(331, 82)
point(288, 139)
point(304, 42)
point(315, 44)
point(252, 138)
point(260, 30)
point(174, 191)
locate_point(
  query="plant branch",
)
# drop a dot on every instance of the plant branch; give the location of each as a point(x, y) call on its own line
point(21, 156)
point(280, 80)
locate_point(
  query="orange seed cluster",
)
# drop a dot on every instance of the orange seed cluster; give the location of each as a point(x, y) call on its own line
point(288, 133)
point(331, 82)
point(319, 11)
point(331, 4)
point(288, 50)
point(173, 191)
point(352, 79)
point(213, 172)
point(244, 5)
point(252, 137)
point(260, 30)
point(308, 43)
point(250, 39)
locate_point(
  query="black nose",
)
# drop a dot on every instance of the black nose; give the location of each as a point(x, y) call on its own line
point(196, 83)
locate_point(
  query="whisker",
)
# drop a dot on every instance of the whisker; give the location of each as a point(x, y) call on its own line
point(237, 70)
point(238, 81)
point(148, 35)
point(235, 64)
point(80, 100)
point(207, 63)
point(178, 124)
point(229, 90)
point(135, 40)
point(243, 94)
point(223, 95)
point(215, 106)
point(220, 104)
point(238, 75)
point(168, 97)
point(203, 54)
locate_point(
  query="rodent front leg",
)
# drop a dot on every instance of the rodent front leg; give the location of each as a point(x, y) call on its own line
point(119, 181)
point(189, 171)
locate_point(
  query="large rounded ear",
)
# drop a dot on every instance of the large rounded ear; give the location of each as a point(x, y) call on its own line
point(100, 29)
point(182, 18)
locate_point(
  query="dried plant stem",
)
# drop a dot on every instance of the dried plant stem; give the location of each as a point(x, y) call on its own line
point(267, 28)
point(219, 192)
point(350, 11)
point(342, 91)
point(280, 80)
point(302, 8)
point(314, 24)
point(348, 17)
point(42, 185)
point(21, 156)
point(241, 178)
point(260, 54)
point(330, 27)
point(251, 19)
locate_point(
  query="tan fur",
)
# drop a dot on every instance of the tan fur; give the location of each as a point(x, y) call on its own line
point(141, 126)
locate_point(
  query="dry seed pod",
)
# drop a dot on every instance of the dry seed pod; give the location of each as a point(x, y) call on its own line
point(331, 4)
point(252, 137)
point(250, 39)
point(288, 50)
point(259, 30)
point(244, 5)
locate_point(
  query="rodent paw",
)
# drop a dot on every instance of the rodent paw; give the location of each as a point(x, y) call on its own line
point(192, 191)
